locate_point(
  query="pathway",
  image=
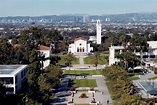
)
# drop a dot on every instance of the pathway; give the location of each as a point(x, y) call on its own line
point(62, 97)
point(103, 94)
point(81, 59)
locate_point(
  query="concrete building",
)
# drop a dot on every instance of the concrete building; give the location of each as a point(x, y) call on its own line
point(152, 47)
point(46, 51)
point(12, 76)
point(98, 32)
point(112, 50)
point(80, 45)
point(149, 56)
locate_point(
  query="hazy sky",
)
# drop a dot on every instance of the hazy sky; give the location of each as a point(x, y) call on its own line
point(57, 7)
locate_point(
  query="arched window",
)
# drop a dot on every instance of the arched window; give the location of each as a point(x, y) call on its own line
point(80, 49)
point(77, 49)
point(83, 49)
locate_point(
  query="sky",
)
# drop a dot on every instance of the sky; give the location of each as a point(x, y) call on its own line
point(58, 7)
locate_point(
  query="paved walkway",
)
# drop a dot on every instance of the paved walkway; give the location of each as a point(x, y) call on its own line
point(81, 59)
point(63, 97)
point(103, 94)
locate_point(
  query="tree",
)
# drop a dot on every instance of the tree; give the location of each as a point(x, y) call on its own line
point(95, 59)
point(129, 59)
point(34, 71)
point(135, 44)
point(69, 58)
point(119, 83)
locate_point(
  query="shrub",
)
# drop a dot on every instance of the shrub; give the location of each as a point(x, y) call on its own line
point(72, 89)
point(155, 71)
point(83, 95)
point(92, 89)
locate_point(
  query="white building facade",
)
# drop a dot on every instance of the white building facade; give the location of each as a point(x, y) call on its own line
point(80, 45)
point(46, 51)
point(12, 77)
point(151, 54)
point(98, 32)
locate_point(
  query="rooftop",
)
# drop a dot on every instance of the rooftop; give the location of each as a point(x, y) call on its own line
point(152, 44)
point(42, 47)
point(80, 38)
point(10, 69)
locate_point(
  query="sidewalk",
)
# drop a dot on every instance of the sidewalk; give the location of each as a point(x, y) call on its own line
point(103, 94)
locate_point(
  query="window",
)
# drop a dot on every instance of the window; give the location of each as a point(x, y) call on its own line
point(83, 49)
point(7, 80)
point(9, 90)
point(16, 79)
point(77, 49)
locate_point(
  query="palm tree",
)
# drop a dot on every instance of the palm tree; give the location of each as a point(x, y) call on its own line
point(95, 59)
point(69, 58)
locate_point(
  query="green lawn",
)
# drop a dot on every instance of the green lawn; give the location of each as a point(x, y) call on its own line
point(105, 52)
point(133, 78)
point(85, 83)
point(88, 60)
point(155, 60)
point(62, 61)
point(81, 104)
point(85, 72)
point(152, 78)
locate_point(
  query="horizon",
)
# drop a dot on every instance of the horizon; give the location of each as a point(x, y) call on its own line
point(79, 14)
point(61, 7)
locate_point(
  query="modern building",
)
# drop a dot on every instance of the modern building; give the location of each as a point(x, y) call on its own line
point(112, 58)
point(12, 76)
point(98, 32)
point(147, 56)
point(152, 47)
point(46, 51)
point(80, 45)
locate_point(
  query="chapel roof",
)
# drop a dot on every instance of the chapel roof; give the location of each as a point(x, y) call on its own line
point(42, 47)
point(80, 38)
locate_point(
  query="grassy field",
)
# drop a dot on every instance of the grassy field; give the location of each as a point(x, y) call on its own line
point(62, 61)
point(105, 52)
point(85, 83)
point(133, 78)
point(152, 78)
point(155, 60)
point(81, 72)
point(88, 60)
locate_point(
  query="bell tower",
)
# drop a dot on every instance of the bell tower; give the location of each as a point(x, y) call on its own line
point(98, 32)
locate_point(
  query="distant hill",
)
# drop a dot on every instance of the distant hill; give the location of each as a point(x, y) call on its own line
point(121, 18)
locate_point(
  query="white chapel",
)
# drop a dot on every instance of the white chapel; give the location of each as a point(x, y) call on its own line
point(80, 45)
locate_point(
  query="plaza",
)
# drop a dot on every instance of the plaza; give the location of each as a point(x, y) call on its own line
point(101, 94)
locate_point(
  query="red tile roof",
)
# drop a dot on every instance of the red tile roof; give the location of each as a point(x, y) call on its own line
point(42, 47)
point(80, 38)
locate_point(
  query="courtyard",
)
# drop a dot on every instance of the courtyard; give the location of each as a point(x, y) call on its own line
point(89, 84)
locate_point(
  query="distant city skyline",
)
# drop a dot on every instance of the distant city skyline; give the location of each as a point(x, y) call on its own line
point(59, 7)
